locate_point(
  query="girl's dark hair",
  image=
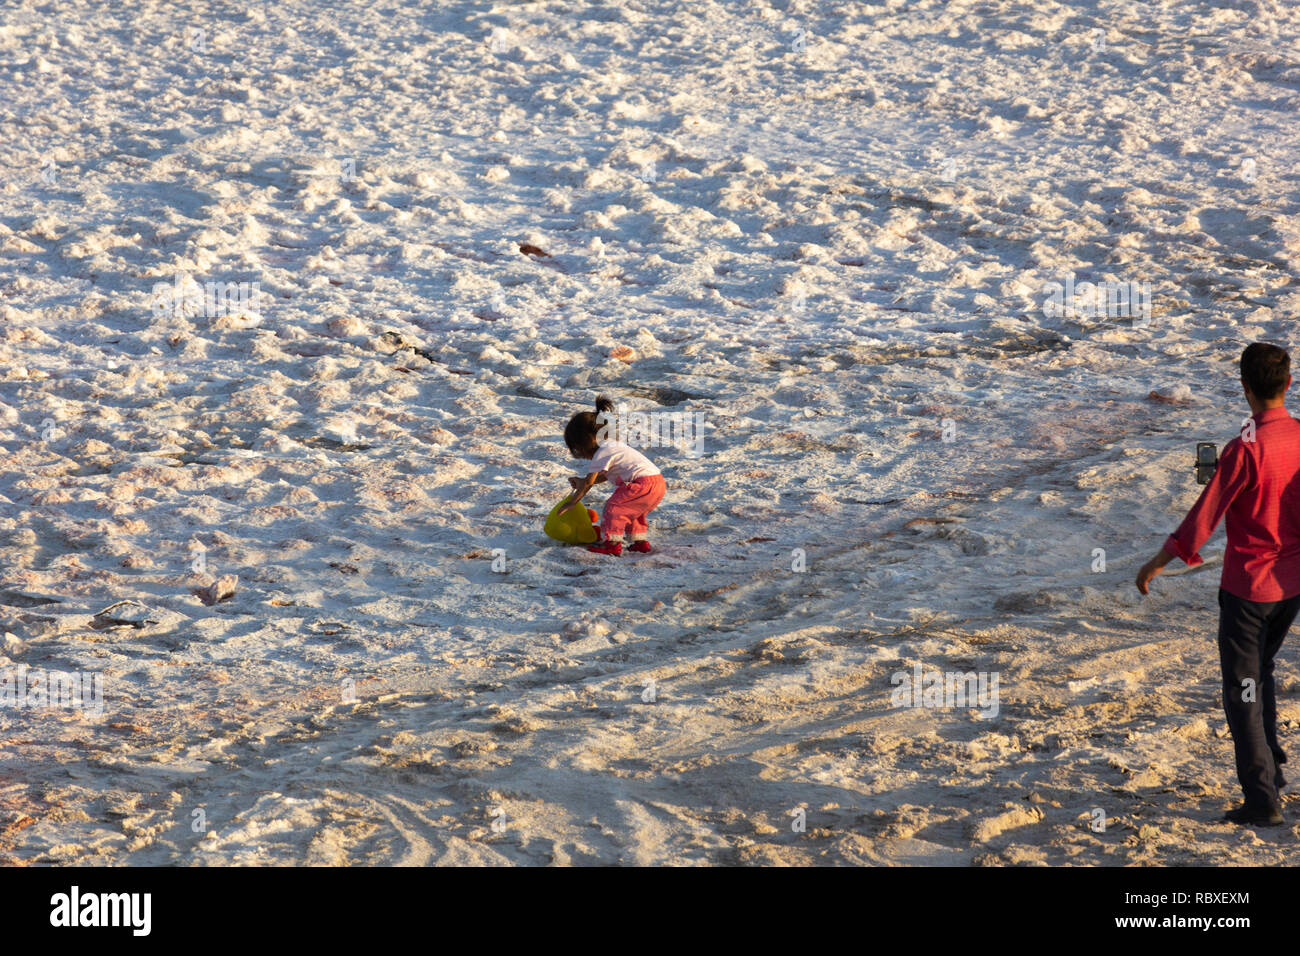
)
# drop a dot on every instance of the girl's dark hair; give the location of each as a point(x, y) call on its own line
point(1265, 369)
point(580, 433)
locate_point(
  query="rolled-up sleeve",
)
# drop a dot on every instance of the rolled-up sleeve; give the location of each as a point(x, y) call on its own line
point(1230, 477)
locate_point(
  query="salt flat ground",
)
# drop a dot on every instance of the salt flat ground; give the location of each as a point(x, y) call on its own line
point(825, 228)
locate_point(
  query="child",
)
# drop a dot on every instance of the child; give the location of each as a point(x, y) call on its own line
point(640, 484)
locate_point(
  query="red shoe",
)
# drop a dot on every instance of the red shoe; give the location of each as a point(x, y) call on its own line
point(607, 547)
point(642, 547)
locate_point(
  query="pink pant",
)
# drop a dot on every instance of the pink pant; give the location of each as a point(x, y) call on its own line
point(629, 504)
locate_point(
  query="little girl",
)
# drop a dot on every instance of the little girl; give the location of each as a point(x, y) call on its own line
point(640, 484)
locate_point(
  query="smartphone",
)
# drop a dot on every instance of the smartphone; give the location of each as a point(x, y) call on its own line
point(1207, 459)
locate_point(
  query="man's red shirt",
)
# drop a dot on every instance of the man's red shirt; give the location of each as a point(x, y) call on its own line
point(1257, 486)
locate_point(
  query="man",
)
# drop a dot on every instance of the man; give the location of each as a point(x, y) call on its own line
point(1257, 486)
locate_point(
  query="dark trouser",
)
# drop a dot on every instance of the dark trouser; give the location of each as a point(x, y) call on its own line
point(1250, 634)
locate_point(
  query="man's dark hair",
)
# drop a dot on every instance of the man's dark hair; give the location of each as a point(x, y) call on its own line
point(1265, 369)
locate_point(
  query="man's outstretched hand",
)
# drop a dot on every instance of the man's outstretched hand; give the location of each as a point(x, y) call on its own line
point(1151, 569)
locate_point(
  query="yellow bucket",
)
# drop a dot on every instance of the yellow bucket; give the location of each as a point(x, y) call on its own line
point(575, 526)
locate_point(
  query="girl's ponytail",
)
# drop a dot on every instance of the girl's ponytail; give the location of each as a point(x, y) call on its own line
point(586, 429)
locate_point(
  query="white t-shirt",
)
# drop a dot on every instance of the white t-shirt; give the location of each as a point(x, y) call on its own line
point(621, 463)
